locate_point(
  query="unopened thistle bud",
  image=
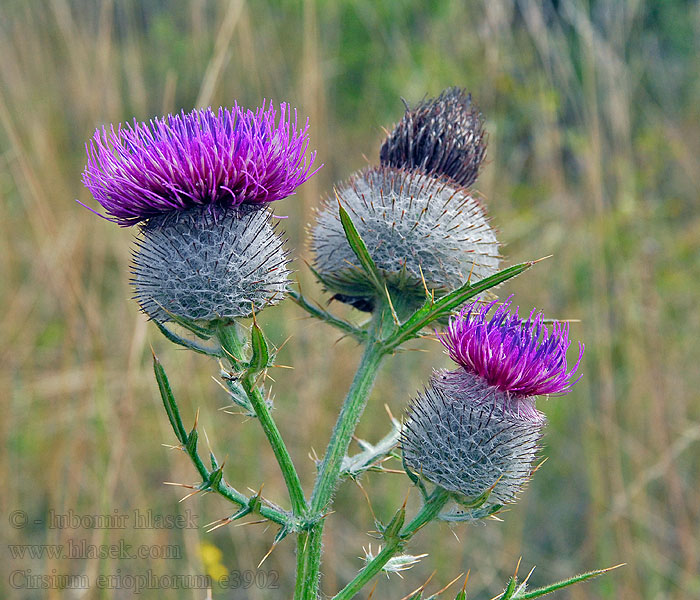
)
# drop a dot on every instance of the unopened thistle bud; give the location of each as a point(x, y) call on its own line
point(197, 184)
point(477, 427)
point(420, 231)
point(443, 136)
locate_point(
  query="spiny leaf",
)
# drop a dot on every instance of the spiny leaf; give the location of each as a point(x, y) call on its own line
point(510, 589)
point(326, 316)
point(548, 589)
point(260, 358)
point(471, 515)
point(393, 529)
point(360, 249)
point(413, 477)
point(192, 345)
point(215, 477)
point(166, 395)
point(321, 279)
point(191, 443)
point(430, 311)
point(477, 501)
point(201, 332)
point(281, 534)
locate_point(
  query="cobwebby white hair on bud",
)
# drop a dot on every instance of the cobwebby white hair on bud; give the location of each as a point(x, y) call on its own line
point(415, 227)
point(465, 439)
point(203, 265)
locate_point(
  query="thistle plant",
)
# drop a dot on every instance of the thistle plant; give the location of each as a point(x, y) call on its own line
point(405, 241)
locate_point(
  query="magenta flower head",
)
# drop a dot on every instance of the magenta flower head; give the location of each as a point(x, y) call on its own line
point(476, 430)
point(197, 184)
point(204, 159)
point(521, 358)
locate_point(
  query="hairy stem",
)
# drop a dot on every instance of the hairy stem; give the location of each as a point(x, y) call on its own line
point(302, 545)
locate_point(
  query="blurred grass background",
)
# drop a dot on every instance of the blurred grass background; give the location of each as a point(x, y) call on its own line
point(593, 110)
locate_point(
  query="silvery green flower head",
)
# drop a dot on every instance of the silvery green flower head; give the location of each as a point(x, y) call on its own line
point(197, 185)
point(460, 435)
point(421, 231)
point(443, 136)
point(477, 427)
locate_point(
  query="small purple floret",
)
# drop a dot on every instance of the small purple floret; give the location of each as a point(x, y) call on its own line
point(202, 158)
point(520, 357)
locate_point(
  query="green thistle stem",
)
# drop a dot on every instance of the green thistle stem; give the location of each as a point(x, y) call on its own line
point(427, 513)
point(328, 476)
point(189, 446)
point(230, 341)
point(233, 495)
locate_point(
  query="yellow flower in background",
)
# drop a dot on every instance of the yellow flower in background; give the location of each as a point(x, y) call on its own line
point(211, 559)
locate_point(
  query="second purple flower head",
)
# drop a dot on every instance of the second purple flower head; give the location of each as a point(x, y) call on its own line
point(476, 429)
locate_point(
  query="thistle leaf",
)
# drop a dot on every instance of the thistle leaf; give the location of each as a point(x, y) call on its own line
point(393, 529)
point(474, 514)
point(192, 345)
point(191, 443)
point(442, 307)
point(371, 454)
point(510, 589)
point(169, 403)
point(413, 477)
point(360, 249)
point(548, 589)
point(201, 332)
point(260, 358)
point(215, 477)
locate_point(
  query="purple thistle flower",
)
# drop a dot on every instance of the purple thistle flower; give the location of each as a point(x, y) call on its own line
point(199, 159)
point(520, 357)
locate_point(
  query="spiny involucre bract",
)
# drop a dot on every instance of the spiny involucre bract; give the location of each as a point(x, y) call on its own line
point(417, 229)
point(209, 266)
point(212, 160)
point(461, 435)
point(443, 136)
